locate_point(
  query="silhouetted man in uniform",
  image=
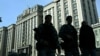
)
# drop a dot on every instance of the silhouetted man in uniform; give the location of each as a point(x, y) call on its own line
point(47, 39)
point(87, 40)
point(69, 35)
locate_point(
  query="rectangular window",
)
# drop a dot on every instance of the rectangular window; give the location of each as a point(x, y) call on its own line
point(66, 14)
point(59, 12)
point(97, 43)
point(58, 4)
point(96, 32)
point(76, 24)
point(58, 8)
point(75, 11)
point(73, 0)
point(59, 23)
point(65, 4)
point(34, 18)
point(49, 11)
point(66, 9)
point(45, 12)
point(76, 17)
point(74, 5)
point(65, 1)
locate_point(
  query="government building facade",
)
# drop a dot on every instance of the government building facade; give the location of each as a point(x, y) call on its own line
point(23, 34)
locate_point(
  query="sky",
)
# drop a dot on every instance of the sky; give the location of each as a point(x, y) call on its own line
point(10, 9)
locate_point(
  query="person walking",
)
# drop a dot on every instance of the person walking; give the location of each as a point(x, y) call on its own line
point(47, 38)
point(69, 35)
point(87, 40)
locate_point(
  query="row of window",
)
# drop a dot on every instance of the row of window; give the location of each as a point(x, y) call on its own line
point(66, 8)
point(9, 39)
point(59, 15)
point(75, 13)
point(25, 30)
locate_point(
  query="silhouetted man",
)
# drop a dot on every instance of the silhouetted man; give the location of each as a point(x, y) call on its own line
point(47, 39)
point(87, 40)
point(69, 35)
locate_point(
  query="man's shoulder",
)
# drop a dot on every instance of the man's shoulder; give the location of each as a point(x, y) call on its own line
point(89, 27)
point(41, 25)
point(64, 25)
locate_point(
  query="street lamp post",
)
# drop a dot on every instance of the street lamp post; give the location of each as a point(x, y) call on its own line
point(0, 19)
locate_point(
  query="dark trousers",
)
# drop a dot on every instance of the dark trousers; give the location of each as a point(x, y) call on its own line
point(46, 52)
point(72, 52)
point(86, 52)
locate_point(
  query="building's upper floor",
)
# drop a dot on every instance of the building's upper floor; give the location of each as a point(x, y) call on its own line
point(35, 9)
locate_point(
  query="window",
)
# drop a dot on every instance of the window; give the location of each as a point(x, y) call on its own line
point(76, 24)
point(66, 14)
point(59, 16)
point(59, 23)
point(75, 11)
point(58, 8)
point(73, 0)
point(74, 5)
point(35, 21)
point(97, 43)
point(66, 9)
point(59, 12)
point(45, 12)
point(96, 32)
point(35, 8)
point(76, 17)
point(58, 4)
point(65, 1)
point(49, 11)
point(66, 4)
